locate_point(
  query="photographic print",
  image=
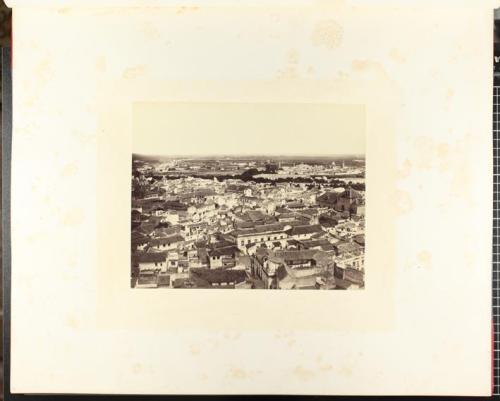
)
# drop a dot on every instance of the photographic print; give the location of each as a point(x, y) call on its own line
point(276, 219)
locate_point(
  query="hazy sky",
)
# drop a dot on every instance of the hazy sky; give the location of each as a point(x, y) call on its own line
point(248, 129)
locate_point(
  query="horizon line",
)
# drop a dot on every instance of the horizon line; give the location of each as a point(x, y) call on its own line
point(252, 155)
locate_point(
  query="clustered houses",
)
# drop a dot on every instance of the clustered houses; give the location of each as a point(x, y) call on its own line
point(196, 232)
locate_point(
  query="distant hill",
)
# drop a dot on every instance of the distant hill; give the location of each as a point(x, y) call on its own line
point(245, 158)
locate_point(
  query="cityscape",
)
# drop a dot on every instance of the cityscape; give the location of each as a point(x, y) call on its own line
point(248, 222)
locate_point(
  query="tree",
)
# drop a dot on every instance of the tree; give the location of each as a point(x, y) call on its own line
point(138, 191)
point(271, 168)
point(248, 174)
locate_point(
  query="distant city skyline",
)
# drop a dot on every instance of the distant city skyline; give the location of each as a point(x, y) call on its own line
point(274, 223)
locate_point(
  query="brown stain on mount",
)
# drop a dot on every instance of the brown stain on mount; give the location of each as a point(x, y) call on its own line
point(72, 218)
point(43, 71)
point(185, 9)
point(100, 64)
point(291, 65)
point(424, 259)
point(232, 335)
point(72, 322)
point(321, 368)
point(369, 68)
point(397, 56)
point(443, 150)
point(195, 350)
point(328, 33)
point(241, 374)
point(287, 337)
point(366, 65)
point(69, 170)
point(345, 370)
point(134, 72)
point(405, 170)
point(303, 373)
point(425, 152)
point(137, 368)
point(150, 31)
point(404, 203)
point(443, 154)
point(325, 367)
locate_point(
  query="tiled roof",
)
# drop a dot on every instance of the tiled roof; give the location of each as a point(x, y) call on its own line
point(306, 282)
point(329, 197)
point(140, 241)
point(223, 243)
point(166, 231)
point(307, 229)
point(295, 255)
point(351, 194)
point(149, 257)
point(309, 212)
point(136, 235)
point(164, 280)
point(255, 215)
point(288, 256)
point(218, 275)
point(350, 247)
point(226, 251)
point(166, 240)
point(265, 228)
point(205, 192)
point(359, 239)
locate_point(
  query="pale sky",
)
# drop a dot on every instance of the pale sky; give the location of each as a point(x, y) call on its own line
point(200, 129)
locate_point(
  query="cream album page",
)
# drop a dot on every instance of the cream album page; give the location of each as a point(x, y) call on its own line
point(251, 197)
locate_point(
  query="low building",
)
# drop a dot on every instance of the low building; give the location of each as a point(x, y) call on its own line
point(286, 217)
point(139, 241)
point(304, 232)
point(217, 278)
point(223, 258)
point(349, 200)
point(265, 268)
point(182, 282)
point(163, 280)
point(343, 247)
point(319, 244)
point(359, 239)
point(260, 234)
point(354, 260)
point(147, 279)
point(149, 261)
point(166, 243)
point(348, 278)
point(290, 269)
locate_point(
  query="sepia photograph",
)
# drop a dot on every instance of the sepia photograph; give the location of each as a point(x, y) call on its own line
point(248, 221)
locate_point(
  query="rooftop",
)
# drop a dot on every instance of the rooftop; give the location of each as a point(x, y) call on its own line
point(209, 276)
point(306, 229)
point(149, 257)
